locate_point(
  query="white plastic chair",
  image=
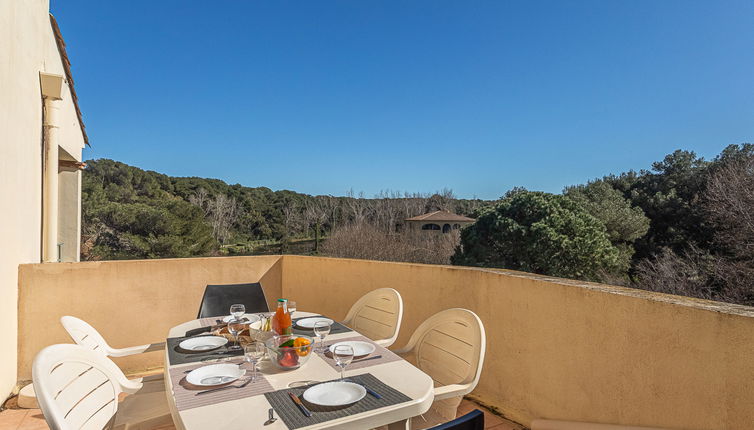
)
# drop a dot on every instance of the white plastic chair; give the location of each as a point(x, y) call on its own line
point(78, 388)
point(377, 315)
point(449, 346)
point(85, 335)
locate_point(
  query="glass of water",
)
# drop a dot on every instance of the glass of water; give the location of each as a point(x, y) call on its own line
point(343, 355)
point(237, 310)
point(254, 352)
point(291, 308)
point(235, 327)
point(321, 330)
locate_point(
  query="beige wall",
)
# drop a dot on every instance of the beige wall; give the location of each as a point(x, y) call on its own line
point(568, 351)
point(69, 214)
point(556, 349)
point(129, 302)
point(27, 46)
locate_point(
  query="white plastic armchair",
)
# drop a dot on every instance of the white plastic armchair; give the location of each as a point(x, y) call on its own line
point(449, 346)
point(377, 315)
point(85, 335)
point(78, 388)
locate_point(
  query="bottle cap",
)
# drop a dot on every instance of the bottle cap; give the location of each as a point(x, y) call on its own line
point(282, 300)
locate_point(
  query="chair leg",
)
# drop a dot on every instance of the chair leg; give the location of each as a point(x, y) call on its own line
point(400, 425)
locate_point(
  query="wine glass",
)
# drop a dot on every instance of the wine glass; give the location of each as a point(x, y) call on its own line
point(291, 308)
point(237, 310)
point(343, 355)
point(254, 352)
point(235, 327)
point(321, 330)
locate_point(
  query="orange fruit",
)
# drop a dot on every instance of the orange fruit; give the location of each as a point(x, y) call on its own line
point(298, 343)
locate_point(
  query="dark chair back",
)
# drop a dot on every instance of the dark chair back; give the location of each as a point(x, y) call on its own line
point(474, 420)
point(218, 298)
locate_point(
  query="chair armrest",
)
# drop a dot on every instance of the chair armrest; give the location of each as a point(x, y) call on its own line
point(384, 342)
point(132, 350)
point(452, 390)
point(404, 350)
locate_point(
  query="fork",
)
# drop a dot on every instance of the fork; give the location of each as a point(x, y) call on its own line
point(213, 390)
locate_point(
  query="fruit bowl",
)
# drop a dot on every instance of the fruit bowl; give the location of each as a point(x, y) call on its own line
point(289, 352)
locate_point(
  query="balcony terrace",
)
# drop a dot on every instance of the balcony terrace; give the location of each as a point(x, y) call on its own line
point(556, 349)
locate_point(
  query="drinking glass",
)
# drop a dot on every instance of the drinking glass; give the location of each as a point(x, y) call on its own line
point(343, 355)
point(321, 330)
point(253, 352)
point(235, 327)
point(291, 307)
point(237, 310)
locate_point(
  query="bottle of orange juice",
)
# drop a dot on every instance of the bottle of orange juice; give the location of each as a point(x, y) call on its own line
point(281, 321)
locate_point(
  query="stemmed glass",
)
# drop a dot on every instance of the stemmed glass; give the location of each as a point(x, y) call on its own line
point(235, 327)
point(254, 352)
point(291, 308)
point(321, 330)
point(343, 355)
point(237, 310)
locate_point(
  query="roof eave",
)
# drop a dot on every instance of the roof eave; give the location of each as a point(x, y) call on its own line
point(68, 76)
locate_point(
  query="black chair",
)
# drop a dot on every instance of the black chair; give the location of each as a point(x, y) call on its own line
point(218, 298)
point(474, 420)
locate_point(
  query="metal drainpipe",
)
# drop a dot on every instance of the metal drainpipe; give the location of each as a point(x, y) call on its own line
point(50, 190)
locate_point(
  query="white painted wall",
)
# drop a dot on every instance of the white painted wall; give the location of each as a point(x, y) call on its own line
point(27, 47)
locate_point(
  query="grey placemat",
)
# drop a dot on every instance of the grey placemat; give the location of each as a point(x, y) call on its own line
point(335, 328)
point(186, 396)
point(386, 356)
point(180, 356)
point(294, 418)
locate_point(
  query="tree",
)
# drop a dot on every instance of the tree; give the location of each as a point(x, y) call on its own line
point(315, 214)
point(669, 196)
point(541, 233)
point(723, 267)
point(221, 211)
point(623, 222)
point(441, 201)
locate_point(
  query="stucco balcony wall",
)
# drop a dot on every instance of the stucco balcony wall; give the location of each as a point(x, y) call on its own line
point(556, 348)
point(129, 302)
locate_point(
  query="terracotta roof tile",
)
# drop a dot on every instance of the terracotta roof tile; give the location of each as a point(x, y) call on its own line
point(68, 76)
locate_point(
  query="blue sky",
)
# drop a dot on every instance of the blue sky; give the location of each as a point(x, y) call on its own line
point(321, 97)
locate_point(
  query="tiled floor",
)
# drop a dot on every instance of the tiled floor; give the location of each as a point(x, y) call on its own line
point(32, 419)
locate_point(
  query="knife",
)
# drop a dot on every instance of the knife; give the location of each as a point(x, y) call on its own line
point(365, 359)
point(369, 390)
point(300, 404)
point(213, 390)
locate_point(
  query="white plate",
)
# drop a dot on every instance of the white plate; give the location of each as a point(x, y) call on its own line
point(251, 317)
point(309, 322)
point(337, 393)
point(360, 349)
point(202, 343)
point(214, 374)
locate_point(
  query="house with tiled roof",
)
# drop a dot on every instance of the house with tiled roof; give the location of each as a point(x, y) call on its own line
point(437, 221)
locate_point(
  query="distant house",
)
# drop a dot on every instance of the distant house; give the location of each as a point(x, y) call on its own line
point(437, 221)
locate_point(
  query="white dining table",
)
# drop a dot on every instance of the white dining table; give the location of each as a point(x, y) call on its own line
point(251, 412)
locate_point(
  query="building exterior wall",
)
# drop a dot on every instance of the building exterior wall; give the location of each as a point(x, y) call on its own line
point(417, 225)
point(27, 47)
point(69, 214)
